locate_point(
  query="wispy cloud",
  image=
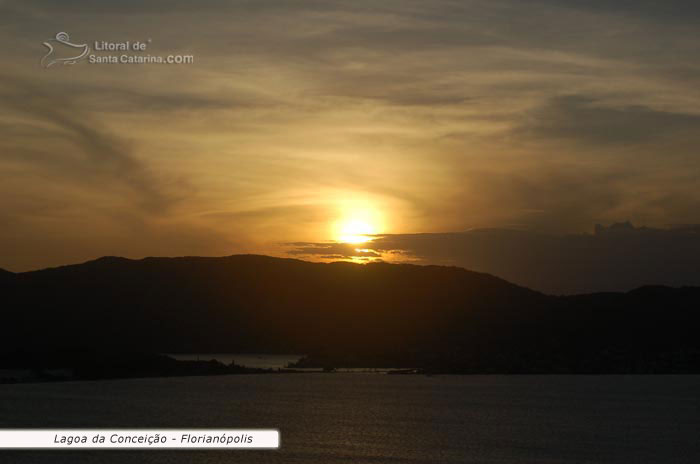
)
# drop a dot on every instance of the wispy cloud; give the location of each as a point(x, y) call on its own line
point(446, 115)
point(71, 144)
point(333, 250)
point(588, 120)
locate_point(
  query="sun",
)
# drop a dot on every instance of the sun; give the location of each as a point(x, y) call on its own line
point(356, 231)
point(357, 225)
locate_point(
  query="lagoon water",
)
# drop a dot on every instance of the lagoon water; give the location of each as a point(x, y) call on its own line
point(374, 418)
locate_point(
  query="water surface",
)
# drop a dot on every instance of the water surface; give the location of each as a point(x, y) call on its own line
point(372, 418)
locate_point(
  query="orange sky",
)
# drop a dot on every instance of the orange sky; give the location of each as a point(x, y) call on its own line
point(307, 122)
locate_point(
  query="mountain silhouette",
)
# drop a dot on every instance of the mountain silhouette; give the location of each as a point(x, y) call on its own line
point(442, 318)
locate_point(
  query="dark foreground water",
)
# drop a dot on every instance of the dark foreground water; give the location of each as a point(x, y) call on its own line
point(371, 418)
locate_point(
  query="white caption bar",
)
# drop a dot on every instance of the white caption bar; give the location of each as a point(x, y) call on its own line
point(139, 439)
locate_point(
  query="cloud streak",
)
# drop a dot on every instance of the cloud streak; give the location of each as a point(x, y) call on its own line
point(74, 143)
point(620, 257)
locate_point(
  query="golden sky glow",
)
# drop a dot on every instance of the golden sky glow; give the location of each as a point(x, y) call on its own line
point(331, 121)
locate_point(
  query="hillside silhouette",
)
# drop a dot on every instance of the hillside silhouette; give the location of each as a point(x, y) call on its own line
point(442, 319)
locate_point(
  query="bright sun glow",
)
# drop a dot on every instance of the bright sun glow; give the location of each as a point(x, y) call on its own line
point(355, 231)
point(357, 224)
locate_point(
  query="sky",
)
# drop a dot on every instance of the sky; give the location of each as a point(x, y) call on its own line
point(305, 124)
